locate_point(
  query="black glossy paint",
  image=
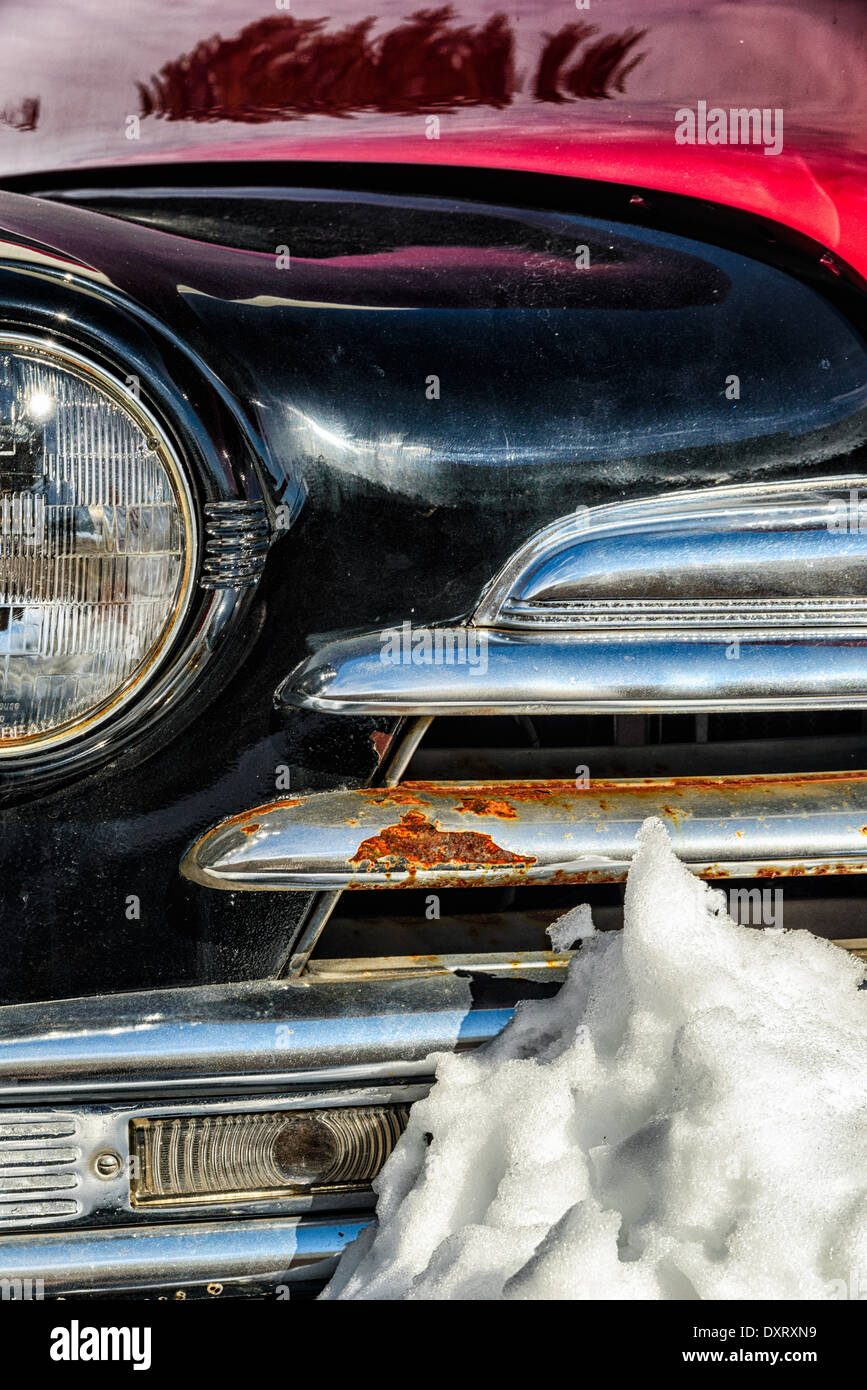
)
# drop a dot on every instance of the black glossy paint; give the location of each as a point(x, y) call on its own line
point(559, 387)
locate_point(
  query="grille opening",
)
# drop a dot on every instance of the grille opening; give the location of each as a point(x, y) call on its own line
point(483, 920)
point(640, 745)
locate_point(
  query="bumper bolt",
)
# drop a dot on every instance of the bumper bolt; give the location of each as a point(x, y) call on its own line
point(107, 1164)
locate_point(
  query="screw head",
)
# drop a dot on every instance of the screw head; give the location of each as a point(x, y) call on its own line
point(108, 1164)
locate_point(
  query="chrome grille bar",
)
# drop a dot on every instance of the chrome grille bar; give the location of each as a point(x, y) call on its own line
point(452, 834)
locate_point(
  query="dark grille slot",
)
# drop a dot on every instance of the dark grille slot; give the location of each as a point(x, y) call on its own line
point(480, 920)
point(732, 744)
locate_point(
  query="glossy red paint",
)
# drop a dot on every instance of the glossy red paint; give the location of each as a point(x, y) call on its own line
point(590, 94)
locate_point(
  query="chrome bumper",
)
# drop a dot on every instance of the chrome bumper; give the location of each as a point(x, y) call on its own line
point(270, 1257)
point(342, 1023)
point(75, 1073)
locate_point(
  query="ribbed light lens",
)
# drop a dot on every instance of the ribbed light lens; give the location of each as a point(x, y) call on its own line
point(95, 545)
point(208, 1158)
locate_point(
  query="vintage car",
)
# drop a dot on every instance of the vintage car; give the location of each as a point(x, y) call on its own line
point(428, 447)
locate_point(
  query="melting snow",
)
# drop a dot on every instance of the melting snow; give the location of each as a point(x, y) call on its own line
point(686, 1119)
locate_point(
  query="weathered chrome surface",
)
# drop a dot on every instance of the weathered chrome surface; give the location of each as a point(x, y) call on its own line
point(51, 1174)
point(277, 1251)
point(380, 1025)
point(446, 834)
point(39, 1156)
point(784, 556)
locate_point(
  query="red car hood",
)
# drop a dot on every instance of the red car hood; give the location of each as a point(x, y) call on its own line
point(596, 92)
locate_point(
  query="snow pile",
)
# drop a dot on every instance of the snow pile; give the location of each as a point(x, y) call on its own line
point(686, 1119)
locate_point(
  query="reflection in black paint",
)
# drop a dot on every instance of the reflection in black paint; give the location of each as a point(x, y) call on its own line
point(280, 67)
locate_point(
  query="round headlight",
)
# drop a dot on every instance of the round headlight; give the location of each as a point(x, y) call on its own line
point(97, 545)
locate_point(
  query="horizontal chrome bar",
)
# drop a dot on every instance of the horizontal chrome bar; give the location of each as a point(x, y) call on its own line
point(453, 834)
point(751, 555)
point(242, 1038)
point(205, 1254)
point(606, 672)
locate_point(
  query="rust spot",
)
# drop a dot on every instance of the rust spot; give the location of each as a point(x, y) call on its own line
point(396, 796)
point(380, 742)
point(843, 866)
point(418, 843)
point(250, 829)
point(488, 791)
point(244, 816)
point(481, 806)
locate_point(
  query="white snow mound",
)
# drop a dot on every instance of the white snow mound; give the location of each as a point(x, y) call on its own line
point(685, 1119)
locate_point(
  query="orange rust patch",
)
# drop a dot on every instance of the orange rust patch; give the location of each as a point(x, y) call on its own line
point(380, 742)
point(250, 829)
point(397, 796)
point(481, 806)
point(254, 810)
point(418, 843)
point(675, 786)
point(488, 791)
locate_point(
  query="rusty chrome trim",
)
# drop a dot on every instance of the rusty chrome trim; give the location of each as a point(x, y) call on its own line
point(857, 945)
point(453, 834)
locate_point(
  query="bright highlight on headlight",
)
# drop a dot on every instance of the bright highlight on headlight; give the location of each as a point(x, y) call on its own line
point(96, 545)
point(208, 1158)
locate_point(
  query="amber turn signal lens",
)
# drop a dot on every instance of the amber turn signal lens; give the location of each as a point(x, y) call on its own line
point(249, 1157)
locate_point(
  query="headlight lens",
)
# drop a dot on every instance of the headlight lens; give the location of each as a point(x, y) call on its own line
point(96, 545)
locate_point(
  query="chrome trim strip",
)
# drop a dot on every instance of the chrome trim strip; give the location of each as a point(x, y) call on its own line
point(557, 673)
point(244, 1038)
point(453, 834)
point(278, 1251)
point(755, 555)
point(744, 598)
